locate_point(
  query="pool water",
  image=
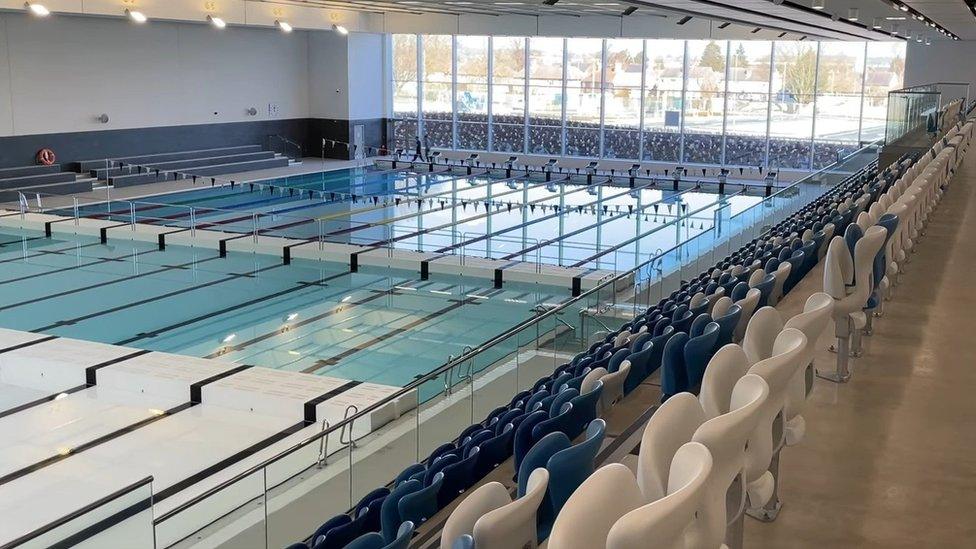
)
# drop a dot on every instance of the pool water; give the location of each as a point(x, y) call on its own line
point(382, 326)
point(511, 219)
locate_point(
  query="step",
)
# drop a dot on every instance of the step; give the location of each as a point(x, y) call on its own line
point(219, 169)
point(184, 164)
point(81, 186)
point(86, 165)
point(33, 180)
point(21, 171)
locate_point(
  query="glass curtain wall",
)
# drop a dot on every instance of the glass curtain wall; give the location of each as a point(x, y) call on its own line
point(786, 104)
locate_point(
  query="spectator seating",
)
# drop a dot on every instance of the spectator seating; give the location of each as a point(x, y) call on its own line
point(745, 390)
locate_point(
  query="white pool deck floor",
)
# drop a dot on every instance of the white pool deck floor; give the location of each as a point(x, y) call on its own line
point(80, 420)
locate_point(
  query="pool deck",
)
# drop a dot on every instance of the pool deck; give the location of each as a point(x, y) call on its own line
point(110, 415)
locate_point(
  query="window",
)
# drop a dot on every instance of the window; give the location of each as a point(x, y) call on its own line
point(545, 95)
point(884, 70)
point(704, 101)
point(747, 103)
point(664, 82)
point(405, 100)
point(786, 104)
point(584, 86)
point(508, 94)
point(622, 78)
point(437, 84)
point(471, 98)
point(840, 75)
point(791, 114)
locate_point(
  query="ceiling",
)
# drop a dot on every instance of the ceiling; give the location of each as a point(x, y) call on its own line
point(793, 16)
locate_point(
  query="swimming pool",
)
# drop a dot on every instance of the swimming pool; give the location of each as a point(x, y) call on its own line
point(515, 218)
point(317, 317)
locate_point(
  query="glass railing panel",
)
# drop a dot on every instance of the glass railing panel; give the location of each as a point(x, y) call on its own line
point(316, 475)
point(122, 519)
point(444, 411)
point(493, 375)
point(233, 507)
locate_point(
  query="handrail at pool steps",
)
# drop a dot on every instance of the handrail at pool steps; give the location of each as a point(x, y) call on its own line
point(90, 531)
point(448, 368)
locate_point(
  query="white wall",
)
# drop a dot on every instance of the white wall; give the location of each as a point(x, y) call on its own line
point(943, 61)
point(346, 75)
point(58, 74)
point(328, 65)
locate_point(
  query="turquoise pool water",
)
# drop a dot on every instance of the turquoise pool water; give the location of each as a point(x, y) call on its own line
point(315, 317)
point(519, 219)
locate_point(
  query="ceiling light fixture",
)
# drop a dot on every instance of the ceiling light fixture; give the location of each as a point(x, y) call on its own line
point(216, 21)
point(853, 14)
point(340, 29)
point(136, 16)
point(285, 27)
point(876, 23)
point(819, 4)
point(37, 9)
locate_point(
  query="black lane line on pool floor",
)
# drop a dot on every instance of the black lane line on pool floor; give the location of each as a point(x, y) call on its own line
point(122, 259)
point(164, 268)
point(40, 253)
point(340, 308)
point(232, 308)
point(336, 359)
point(89, 316)
point(309, 419)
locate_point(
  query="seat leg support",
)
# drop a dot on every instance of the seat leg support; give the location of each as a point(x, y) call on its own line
point(857, 349)
point(842, 373)
point(869, 326)
point(770, 511)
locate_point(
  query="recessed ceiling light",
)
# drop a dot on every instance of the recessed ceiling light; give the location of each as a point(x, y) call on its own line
point(136, 16)
point(819, 4)
point(37, 9)
point(285, 27)
point(340, 29)
point(853, 14)
point(216, 21)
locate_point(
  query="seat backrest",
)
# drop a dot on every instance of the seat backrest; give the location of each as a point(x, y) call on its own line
point(403, 536)
point(748, 304)
point(721, 306)
point(538, 456)
point(756, 277)
point(665, 520)
point(761, 332)
point(725, 437)
point(728, 365)
point(390, 512)
point(591, 379)
point(777, 371)
point(698, 351)
point(864, 254)
point(586, 518)
point(673, 375)
point(671, 426)
point(838, 260)
point(478, 503)
point(513, 525)
point(570, 467)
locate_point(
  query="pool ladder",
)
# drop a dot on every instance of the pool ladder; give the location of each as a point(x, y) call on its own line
point(462, 376)
point(351, 410)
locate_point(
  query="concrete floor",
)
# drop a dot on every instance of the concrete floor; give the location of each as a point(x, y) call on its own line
point(889, 458)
